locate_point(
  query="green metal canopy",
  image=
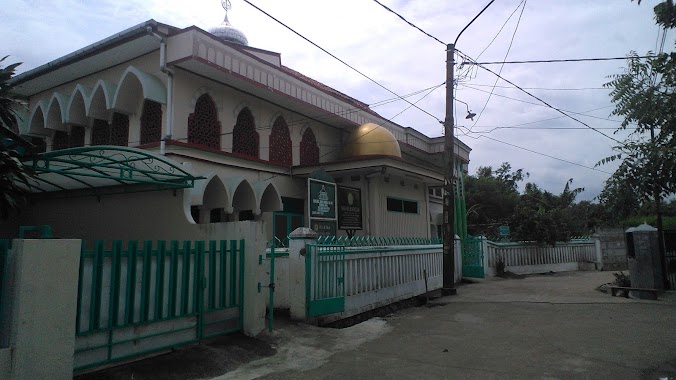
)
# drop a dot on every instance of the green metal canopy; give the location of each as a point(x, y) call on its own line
point(104, 166)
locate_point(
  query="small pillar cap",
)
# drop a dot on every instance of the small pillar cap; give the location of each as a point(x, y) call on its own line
point(645, 227)
point(303, 233)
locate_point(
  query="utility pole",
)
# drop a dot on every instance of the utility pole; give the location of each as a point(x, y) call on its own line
point(448, 284)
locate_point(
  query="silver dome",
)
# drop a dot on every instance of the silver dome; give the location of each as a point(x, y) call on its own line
point(229, 33)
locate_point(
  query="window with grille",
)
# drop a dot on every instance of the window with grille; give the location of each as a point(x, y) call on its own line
point(77, 136)
point(100, 132)
point(309, 150)
point(119, 130)
point(280, 143)
point(203, 125)
point(60, 140)
point(244, 135)
point(151, 122)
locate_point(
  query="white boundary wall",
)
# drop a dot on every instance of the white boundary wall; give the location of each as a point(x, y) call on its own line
point(528, 258)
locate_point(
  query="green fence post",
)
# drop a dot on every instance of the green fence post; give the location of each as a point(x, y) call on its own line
point(159, 280)
point(79, 288)
point(173, 274)
point(242, 256)
point(130, 298)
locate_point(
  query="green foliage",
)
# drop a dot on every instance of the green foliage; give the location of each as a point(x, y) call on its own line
point(491, 196)
point(622, 279)
point(12, 172)
point(618, 201)
point(9, 102)
point(668, 222)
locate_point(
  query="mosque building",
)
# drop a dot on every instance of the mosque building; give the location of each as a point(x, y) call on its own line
point(159, 132)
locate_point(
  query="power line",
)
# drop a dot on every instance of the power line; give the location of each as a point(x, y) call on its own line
point(408, 22)
point(502, 66)
point(339, 60)
point(542, 105)
point(546, 88)
point(558, 60)
point(542, 101)
point(500, 31)
point(417, 101)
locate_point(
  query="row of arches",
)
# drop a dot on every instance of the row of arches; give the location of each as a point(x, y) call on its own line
point(101, 116)
point(204, 129)
point(219, 199)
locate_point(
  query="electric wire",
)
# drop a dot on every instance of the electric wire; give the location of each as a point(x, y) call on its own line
point(339, 60)
point(509, 48)
point(557, 60)
point(408, 22)
point(501, 28)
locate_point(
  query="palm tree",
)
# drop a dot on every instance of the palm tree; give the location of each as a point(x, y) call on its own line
point(12, 171)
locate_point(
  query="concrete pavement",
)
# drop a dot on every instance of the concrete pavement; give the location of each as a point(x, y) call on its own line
point(554, 326)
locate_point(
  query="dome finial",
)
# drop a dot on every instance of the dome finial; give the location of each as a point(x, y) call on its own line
point(227, 5)
point(226, 31)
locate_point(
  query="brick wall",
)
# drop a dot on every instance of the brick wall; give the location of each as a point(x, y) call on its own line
point(613, 248)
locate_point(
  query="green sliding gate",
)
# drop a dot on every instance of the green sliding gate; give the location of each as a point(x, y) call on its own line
point(325, 279)
point(472, 257)
point(149, 297)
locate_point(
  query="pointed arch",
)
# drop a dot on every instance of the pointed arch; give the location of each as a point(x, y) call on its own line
point(245, 139)
point(309, 150)
point(77, 107)
point(203, 125)
point(101, 100)
point(136, 85)
point(151, 122)
point(269, 198)
point(281, 151)
point(56, 112)
point(243, 196)
point(199, 197)
point(37, 120)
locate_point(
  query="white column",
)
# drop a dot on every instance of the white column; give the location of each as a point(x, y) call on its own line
point(298, 241)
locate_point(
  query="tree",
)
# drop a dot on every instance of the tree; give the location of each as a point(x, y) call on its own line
point(491, 196)
point(12, 171)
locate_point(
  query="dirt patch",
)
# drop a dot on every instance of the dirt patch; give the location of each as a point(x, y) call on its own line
point(209, 359)
point(510, 275)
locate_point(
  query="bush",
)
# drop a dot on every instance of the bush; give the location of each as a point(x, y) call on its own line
point(500, 266)
point(622, 279)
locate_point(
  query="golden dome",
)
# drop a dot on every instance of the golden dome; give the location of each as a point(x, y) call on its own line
point(372, 140)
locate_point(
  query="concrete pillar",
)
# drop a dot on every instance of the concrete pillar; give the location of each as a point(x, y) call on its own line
point(44, 305)
point(599, 256)
point(457, 258)
point(298, 241)
point(254, 273)
point(645, 265)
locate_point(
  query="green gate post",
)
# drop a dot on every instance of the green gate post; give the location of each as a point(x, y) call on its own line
point(298, 241)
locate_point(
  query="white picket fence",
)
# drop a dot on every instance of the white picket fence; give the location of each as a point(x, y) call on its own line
point(529, 258)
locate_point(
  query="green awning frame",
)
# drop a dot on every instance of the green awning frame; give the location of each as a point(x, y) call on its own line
point(104, 166)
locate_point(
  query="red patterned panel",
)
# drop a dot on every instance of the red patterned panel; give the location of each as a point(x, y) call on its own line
point(119, 130)
point(309, 150)
point(280, 143)
point(244, 136)
point(60, 140)
point(100, 132)
point(77, 136)
point(151, 122)
point(203, 125)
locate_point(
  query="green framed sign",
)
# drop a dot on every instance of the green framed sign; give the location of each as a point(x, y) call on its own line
point(322, 205)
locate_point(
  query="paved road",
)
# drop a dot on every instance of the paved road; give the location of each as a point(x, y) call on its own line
point(554, 326)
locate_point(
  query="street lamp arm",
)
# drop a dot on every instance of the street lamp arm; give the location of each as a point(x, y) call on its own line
point(470, 23)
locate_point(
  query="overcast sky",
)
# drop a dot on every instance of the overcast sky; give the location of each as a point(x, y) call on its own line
point(404, 60)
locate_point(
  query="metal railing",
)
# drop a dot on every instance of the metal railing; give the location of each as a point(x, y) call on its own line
point(376, 241)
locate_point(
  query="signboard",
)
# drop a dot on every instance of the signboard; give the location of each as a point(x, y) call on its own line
point(322, 207)
point(349, 208)
point(503, 230)
point(322, 196)
point(323, 227)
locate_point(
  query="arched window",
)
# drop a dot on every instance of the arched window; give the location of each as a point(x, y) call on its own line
point(77, 136)
point(203, 125)
point(280, 143)
point(244, 135)
point(151, 122)
point(119, 129)
point(309, 150)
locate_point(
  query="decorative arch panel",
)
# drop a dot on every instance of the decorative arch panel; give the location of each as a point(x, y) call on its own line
point(245, 139)
point(280, 143)
point(203, 125)
point(309, 150)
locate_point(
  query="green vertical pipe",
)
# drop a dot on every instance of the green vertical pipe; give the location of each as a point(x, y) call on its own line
point(130, 298)
point(97, 275)
point(308, 275)
point(79, 286)
point(271, 288)
point(159, 280)
point(242, 255)
point(232, 286)
point(185, 278)
point(173, 274)
point(212, 275)
point(115, 265)
point(223, 261)
point(145, 280)
point(198, 289)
